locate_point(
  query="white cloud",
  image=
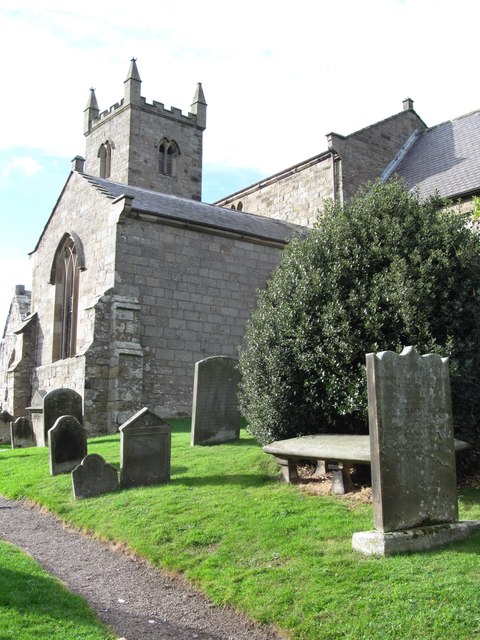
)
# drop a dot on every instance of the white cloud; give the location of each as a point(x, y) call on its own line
point(26, 165)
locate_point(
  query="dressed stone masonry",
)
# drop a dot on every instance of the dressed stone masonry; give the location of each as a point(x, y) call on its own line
point(93, 477)
point(145, 450)
point(412, 455)
point(67, 443)
point(215, 414)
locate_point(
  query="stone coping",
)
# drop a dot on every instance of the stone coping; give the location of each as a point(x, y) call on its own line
point(330, 447)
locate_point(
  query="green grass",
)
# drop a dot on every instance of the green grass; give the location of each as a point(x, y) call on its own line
point(34, 605)
point(282, 556)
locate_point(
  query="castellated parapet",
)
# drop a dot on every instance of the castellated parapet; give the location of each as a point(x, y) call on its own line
point(144, 144)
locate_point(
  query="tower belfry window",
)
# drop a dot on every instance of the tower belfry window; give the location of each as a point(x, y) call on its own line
point(105, 155)
point(66, 300)
point(167, 158)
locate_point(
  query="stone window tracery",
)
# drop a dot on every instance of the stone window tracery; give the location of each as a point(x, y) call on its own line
point(168, 153)
point(66, 300)
point(105, 155)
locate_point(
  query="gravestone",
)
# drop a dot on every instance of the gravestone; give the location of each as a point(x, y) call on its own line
point(36, 415)
point(215, 414)
point(93, 477)
point(61, 402)
point(145, 450)
point(67, 441)
point(412, 454)
point(5, 428)
point(21, 433)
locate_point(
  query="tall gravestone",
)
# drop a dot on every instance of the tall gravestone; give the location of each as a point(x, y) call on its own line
point(145, 450)
point(61, 402)
point(215, 414)
point(412, 454)
point(21, 433)
point(67, 442)
point(93, 477)
point(36, 415)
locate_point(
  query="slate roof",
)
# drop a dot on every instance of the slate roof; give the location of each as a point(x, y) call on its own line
point(445, 159)
point(197, 213)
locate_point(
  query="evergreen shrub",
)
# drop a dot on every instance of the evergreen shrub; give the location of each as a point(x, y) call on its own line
point(383, 272)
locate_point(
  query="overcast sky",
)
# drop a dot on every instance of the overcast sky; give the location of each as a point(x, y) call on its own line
point(277, 77)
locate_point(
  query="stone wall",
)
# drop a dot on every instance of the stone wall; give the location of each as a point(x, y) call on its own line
point(295, 195)
point(15, 384)
point(298, 193)
point(365, 154)
point(195, 292)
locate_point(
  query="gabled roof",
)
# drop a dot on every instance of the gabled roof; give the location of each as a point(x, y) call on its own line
point(194, 213)
point(445, 159)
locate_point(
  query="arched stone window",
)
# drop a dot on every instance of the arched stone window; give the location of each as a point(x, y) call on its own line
point(168, 153)
point(240, 206)
point(67, 264)
point(105, 155)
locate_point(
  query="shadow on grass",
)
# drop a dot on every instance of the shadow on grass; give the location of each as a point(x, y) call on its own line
point(470, 496)
point(243, 480)
point(15, 455)
point(27, 593)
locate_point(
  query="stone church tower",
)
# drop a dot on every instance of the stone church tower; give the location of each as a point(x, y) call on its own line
point(146, 145)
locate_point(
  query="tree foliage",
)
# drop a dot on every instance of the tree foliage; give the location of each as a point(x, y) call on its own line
point(382, 272)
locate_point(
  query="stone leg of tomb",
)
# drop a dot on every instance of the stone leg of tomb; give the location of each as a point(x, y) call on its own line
point(321, 468)
point(288, 469)
point(341, 478)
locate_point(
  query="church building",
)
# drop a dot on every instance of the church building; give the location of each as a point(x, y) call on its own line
point(135, 279)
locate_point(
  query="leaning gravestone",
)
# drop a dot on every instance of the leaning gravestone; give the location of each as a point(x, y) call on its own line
point(145, 449)
point(61, 402)
point(215, 414)
point(67, 442)
point(412, 454)
point(93, 477)
point(21, 433)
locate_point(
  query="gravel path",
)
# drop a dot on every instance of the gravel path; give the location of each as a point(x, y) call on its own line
point(135, 599)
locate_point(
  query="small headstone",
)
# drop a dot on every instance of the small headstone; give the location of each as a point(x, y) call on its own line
point(21, 433)
point(145, 450)
point(93, 477)
point(67, 441)
point(61, 402)
point(412, 454)
point(215, 414)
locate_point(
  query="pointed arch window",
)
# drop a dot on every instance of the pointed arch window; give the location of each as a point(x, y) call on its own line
point(105, 155)
point(67, 264)
point(168, 153)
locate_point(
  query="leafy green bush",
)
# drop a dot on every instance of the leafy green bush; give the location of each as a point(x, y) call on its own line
point(383, 272)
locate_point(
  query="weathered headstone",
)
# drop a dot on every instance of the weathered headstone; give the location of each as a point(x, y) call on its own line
point(93, 477)
point(21, 433)
point(5, 420)
point(61, 402)
point(67, 441)
point(412, 453)
point(215, 414)
point(36, 414)
point(145, 450)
